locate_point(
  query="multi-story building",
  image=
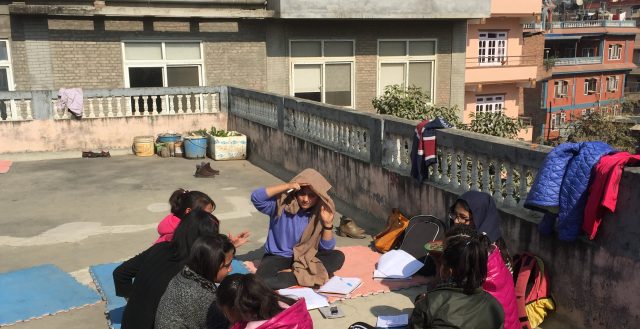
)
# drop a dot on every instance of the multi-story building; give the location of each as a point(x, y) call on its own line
point(497, 70)
point(587, 62)
point(334, 51)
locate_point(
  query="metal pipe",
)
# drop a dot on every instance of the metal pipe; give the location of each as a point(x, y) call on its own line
point(211, 2)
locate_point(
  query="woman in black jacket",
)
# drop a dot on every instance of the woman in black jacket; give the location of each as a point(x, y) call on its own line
point(143, 279)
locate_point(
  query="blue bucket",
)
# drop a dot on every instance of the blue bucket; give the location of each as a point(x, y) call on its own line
point(169, 138)
point(195, 147)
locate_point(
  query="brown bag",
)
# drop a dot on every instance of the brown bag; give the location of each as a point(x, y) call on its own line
point(388, 239)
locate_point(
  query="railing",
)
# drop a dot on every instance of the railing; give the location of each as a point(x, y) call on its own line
point(599, 23)
point(577, 60)
point(15, 106)
point(497, 60)
point(632, 87)
point(533, 26)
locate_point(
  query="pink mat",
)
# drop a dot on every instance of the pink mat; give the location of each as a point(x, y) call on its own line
point(5, 165)
point(360, 262)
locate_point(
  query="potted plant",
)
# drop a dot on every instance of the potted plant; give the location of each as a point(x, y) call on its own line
point(227, 145)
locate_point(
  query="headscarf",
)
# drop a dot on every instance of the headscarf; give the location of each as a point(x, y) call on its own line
point(308, 269)
point(484, 213)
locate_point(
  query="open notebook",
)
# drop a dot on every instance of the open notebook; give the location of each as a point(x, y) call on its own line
point(338, 285)
point(311, 298)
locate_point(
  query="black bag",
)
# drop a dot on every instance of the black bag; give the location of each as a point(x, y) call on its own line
point(422, 229)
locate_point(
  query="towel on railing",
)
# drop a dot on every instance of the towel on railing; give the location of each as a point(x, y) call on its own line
point(72, 99)
point(423, 149)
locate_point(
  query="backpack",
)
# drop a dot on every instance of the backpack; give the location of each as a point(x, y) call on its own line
point(422, 229)
point(388, 238)
point(533, 295)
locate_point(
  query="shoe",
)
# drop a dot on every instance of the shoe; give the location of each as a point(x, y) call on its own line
point(349, 228)
point(201, 173)
point(88, 154)
point(207, 168)
point(105, 154)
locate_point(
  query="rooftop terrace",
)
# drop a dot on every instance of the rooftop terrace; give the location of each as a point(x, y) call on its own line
point(365, 156)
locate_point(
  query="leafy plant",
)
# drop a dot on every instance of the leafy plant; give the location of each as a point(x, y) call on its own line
point(413, 104)
point(596, 126)
point(495, 124)
point(549, 63)
point(199, 132)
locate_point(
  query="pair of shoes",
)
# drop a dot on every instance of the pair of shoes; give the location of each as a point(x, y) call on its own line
point(91, 154)
point(349, 228)
point(204, 170)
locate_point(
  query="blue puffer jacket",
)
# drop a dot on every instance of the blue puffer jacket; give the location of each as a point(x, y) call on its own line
point(560, 188)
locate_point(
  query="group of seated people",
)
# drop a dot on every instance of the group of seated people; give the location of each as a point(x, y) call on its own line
point(183, 281)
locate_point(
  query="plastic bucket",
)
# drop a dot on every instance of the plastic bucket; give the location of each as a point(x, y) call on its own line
point(169, 138)
point(195, 147)
point(143, 146)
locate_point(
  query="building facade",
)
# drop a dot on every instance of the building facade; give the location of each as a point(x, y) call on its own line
point(497, 69)
point(338, 52)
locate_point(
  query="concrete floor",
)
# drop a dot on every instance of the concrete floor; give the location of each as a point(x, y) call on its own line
point(80, 212)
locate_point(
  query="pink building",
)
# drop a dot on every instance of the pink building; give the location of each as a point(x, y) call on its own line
point(496, 69)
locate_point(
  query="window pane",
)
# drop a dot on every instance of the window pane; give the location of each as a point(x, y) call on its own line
point(306, 49)
point(338, 84)
point(338, 48)
point(4, 79)
point(3, 51)
point(391, 74)
point(142, 50)
point(393, 48)
point(422, 48)
point(307, 81)
point(182, 76)
point(145, 77)
point(420, 76)
point(182, 50)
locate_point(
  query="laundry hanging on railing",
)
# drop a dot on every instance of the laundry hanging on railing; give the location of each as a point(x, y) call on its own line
point(71, 99)
point(423, 149)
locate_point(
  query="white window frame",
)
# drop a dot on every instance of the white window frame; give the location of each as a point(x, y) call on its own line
point(489, 103)
point(409, 59)
point(492, 55)
point(591, 52)
point(612, 83)
point(615, 51)
point(323, 61)
point(553, 123)
point(587, 90)
point(560, 89)
point(563, 117)
point(163, 63)
point(7, 65)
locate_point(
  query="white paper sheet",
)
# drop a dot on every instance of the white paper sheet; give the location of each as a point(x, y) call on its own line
point(387, 321)
point(397, 264)
point(341, 286)
point(312, 299)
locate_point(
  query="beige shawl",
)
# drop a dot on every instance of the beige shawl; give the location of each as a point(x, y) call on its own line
point(308, 269)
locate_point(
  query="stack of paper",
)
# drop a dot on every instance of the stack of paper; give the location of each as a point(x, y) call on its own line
point(397, 264)
point(311, 298)
point(340, 286)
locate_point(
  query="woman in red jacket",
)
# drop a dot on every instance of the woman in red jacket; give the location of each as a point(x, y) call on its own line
point(249, 303)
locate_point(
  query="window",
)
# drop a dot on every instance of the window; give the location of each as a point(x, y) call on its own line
point(489, 103)
point(553, 123)
point(492, 48)
point(407, 63)
point(614, 51)
point(588, 52)
point(563, 118)
point(6, 75)
point(612, 83)
point(322, 71)
point(560, 88)
point(590, 86)
point(163, 64)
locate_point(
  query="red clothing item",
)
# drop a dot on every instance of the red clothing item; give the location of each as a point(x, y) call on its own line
point(166, 228)
point(603, 192)
point(294, 317)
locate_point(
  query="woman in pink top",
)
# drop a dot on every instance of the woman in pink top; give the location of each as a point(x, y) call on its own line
point(183, 202)
point(249, 303)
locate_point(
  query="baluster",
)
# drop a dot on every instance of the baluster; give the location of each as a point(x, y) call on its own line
point(205, 103)
point(136, 104)
point(12, 115)
point(145, 108)
point(509, 199)
point(464, 173)
point(454, 169)
point(444, 177)
point(485, 175)
point(497, 182)
point(128, 111)
point(118, 109)
point(91, 113)
point(110, 113)
point(189, 109)
point(474, 172)
point(100, 108)
point(523, 186)
point(172, 104)
point(180, 104)
point(29, 111)
point(196, 99)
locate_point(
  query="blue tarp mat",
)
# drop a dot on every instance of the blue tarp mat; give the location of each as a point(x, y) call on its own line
point(103, 277)
point(38, 291)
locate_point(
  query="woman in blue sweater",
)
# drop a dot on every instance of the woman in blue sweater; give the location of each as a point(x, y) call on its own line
point(300, 244)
